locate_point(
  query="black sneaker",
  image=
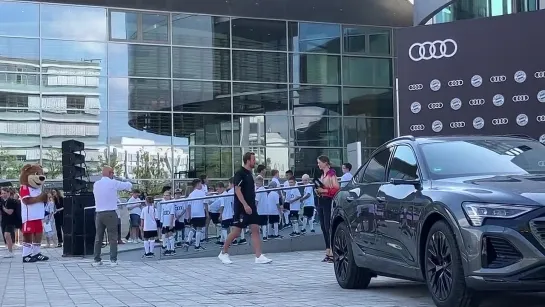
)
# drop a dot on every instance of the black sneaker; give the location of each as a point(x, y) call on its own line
point(199, 248)
point(303, 231)
point(235, 242)
point(149, 255)
point(265, 239)
point(173, 252)
point(40, 257)
point(157, 241)
point(294, 234)
point(29, 259)
point(313, 231)
point(59, 245)
point(243, 241)
point(178, 244)
point(167, 253)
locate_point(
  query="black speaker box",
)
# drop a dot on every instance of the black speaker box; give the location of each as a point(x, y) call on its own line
point(79, 224)
point(72, 172)
point(72, 146)
point(70, 158)
point(74, 185)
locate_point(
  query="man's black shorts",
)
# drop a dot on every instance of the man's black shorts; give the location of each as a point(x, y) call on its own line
point(8, 229)
point(242, 220)
point(167, 230)
point(308, 211)
point(215, 217)
point(150, 234)
point(178, 225)
point(198, 222)
point(225, 224)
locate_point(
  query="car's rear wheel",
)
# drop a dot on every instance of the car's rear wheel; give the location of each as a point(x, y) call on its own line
point(348, 274)
point(444, 272)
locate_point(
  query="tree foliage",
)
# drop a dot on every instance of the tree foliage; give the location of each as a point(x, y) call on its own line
point(151, 171)
point(52, 163)
point(10, 166)
point(111, 159)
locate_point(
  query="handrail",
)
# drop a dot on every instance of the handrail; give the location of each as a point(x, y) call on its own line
point(212, 196)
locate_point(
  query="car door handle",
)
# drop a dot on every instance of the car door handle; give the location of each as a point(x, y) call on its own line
point(381, 199)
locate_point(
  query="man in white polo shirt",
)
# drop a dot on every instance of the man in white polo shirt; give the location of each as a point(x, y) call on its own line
point(105, 191)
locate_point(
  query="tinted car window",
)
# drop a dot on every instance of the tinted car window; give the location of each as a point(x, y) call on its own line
point(484, 157)
point(376, 168)
point(403, 165)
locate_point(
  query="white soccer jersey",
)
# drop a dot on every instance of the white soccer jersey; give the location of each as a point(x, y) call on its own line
point(180, 210)
point(309, 202)
point(197, 206)
point(215, 206)
point(167, 212)
point(227, 205)
point(292, 194)
point(148, 216)
point(261, 201)
point(273, 200)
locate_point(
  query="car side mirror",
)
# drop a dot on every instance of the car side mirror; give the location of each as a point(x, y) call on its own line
point(415, 182)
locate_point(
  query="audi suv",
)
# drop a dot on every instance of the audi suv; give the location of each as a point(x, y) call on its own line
point(464, 214)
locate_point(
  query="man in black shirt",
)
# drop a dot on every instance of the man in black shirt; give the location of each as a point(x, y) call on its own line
point(9, 219)
point(245, 211)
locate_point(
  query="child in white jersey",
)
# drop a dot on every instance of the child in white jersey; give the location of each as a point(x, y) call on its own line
point(179, 214)
point(308, 205)
point(226, 211)
point(293, 198)
point(214, 209)
point(274, 210)
point(148, 226)
point(262, 206)
point(167, 220)
point(198, 214)
point(48, 220)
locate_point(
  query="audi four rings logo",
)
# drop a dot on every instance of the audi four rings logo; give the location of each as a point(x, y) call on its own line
point(416, 87)
point(539, 74)
point(541, 163)
point(435, 105)
point(476, 102)
point(500, 121)
point(540, 118)
point(417, 127)
point(433, 50)
point(455, 125)
point(541, 96)
point(455, 83)
point(498, 79)
point(521, 98)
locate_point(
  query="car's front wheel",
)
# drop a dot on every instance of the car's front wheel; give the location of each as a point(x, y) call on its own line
point(444, 272)
point(348, 274)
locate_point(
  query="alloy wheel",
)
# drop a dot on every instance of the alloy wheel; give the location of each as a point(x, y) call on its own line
point(439, 266)
point(340, 255)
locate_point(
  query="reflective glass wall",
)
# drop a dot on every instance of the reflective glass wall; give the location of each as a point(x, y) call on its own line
point(164, 96)
point(471, 9)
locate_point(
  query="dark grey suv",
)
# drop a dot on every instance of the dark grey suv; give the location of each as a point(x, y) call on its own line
point(464, 214)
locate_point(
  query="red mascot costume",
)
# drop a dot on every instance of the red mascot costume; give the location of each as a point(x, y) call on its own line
point(32, 211)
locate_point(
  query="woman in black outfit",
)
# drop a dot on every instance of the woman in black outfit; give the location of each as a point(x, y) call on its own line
point(59, 211)
point(326, 194)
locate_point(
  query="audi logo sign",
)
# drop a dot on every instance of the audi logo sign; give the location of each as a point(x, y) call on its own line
point(455, 125)
point(433, 50)
point(521, 98)
point(500, 121)
point(446, 84)
point(541, 163)
point(417, 127)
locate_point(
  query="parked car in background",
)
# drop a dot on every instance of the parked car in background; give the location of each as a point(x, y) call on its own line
point(463, 214)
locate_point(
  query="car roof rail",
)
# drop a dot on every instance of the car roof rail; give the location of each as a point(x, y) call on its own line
point(404, 137)
point(522, 136)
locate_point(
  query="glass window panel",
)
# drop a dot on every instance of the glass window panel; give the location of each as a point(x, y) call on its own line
point(305, 160)
point(366, 40)
point(200, 30)
point(74, 58)
point(19, 54)
point(202, 129)
point(259, 97)
point(355, 40)
point(306, 100)
point(275, 129)
point(138, 60)
point(123, 25)
point(21, 19)
point(259, 66)
point(317, 131)
point(259, 34)
point(315, 69)
point(315, 37)
point(139, 94)
point(150, 163)
point(379, 43)
point(403, 164)
point(144, 128)
point(180, 165)
point(19, 87)
point(371, 132)
point(367, 71)
point(73, 22)
point(372, 102)
point(247, 130)
point(277, 158)
point(155, 27)
point(74, 96)
point(202, 96)
point(198, 63)
point(213, 162)
point(238, 152)
point(20, 135)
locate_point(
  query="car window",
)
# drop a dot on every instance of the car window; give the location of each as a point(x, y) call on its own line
point(376, 168)
point(403, 165)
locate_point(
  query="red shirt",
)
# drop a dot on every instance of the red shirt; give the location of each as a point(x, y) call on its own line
point(331, 190)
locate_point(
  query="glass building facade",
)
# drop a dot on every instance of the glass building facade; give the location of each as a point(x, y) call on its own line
point(471, 9)
point(167, 96)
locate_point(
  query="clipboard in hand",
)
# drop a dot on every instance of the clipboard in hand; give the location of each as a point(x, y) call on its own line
point(317, 183)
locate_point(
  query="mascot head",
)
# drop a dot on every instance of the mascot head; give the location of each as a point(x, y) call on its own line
point(32, 175)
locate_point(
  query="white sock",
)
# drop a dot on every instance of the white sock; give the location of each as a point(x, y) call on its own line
point(242, 234)
point(163, 239)
point(287, 217)
point(223, 235)
point(264, 230)
point(27, 249)
point(151, 245)
point(311, 223)
point(146, 247)
point(190, 236)
point(275, 227)
point(35, 248)
point(172, 242)
point(198, 238)
point(305, 220)
point(295, 226)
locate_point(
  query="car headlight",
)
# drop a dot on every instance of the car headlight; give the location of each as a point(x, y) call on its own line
point(477, 212)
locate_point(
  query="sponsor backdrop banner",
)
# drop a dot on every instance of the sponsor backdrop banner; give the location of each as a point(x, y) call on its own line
point(483, 76)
